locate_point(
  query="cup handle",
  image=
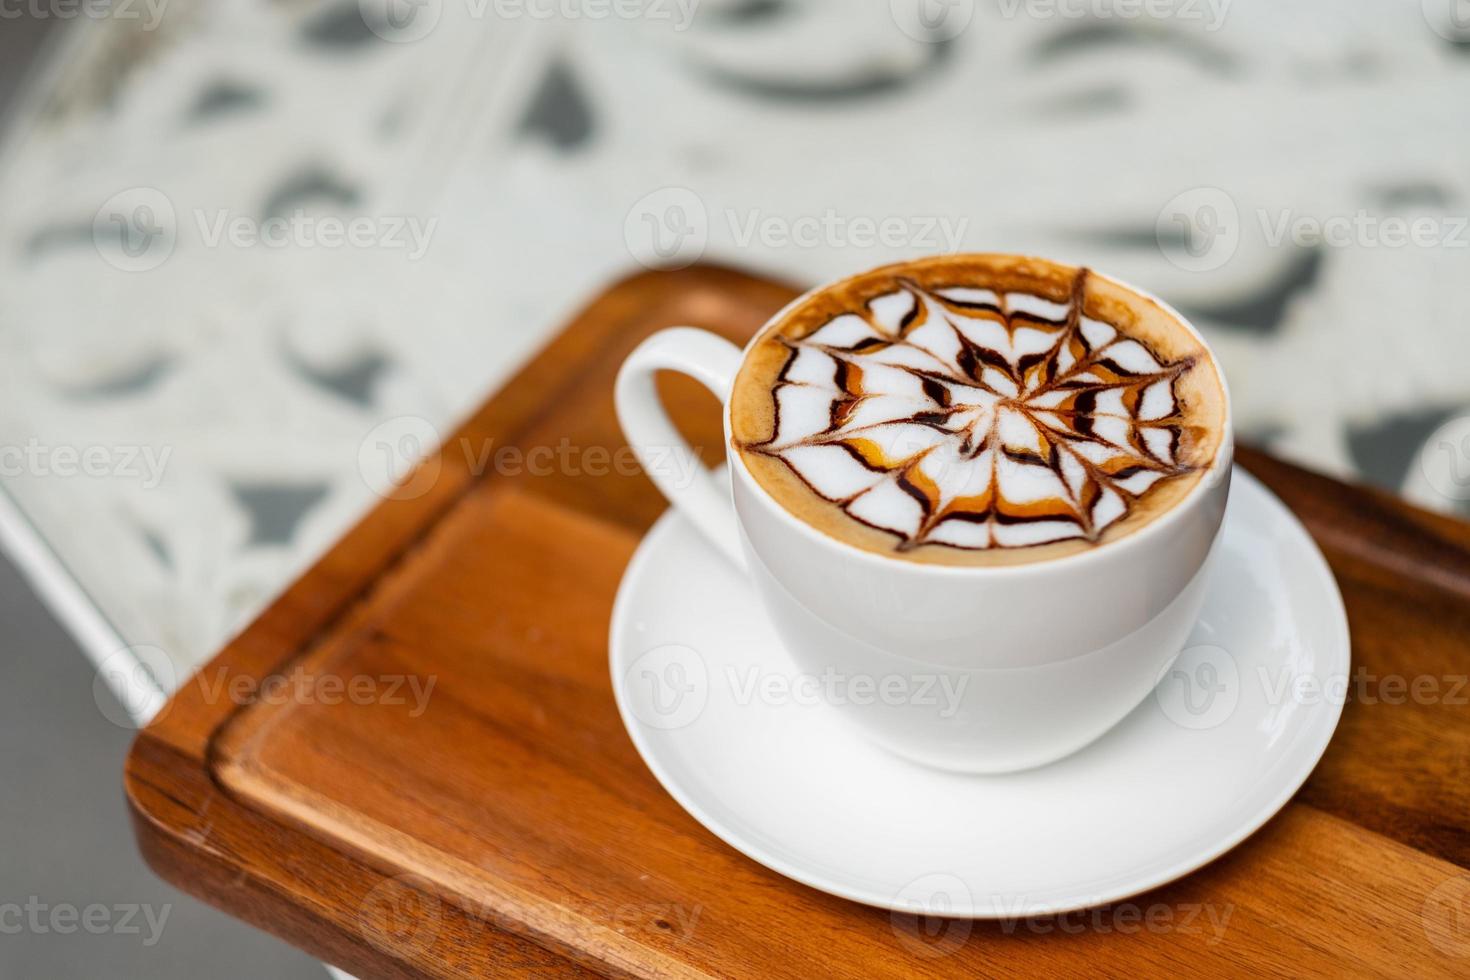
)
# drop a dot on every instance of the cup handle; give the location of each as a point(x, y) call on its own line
point(665, 456)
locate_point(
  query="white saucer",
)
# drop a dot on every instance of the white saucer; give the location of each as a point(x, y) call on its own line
point(781, 777)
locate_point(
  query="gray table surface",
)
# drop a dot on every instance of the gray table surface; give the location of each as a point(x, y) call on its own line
point(76, 900)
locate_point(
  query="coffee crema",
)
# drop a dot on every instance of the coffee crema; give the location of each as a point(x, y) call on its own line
point(977, 410)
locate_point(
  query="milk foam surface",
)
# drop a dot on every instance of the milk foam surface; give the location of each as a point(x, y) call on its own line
point(975, 419)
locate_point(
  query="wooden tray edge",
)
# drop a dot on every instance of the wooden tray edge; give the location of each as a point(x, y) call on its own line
point(388, 532)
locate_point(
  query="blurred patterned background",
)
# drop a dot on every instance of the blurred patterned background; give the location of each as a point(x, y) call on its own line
point(1296, 178)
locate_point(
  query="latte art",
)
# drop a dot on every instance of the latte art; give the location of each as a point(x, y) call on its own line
point(955, 413)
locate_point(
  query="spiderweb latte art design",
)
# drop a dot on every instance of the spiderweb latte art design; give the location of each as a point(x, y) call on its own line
point(976, 419)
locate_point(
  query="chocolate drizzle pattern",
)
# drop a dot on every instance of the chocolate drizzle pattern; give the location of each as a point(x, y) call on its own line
point(974, 419)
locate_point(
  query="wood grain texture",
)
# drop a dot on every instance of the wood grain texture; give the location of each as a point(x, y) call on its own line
point(504, 822)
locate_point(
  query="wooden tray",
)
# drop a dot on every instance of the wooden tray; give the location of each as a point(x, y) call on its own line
point(511, 825)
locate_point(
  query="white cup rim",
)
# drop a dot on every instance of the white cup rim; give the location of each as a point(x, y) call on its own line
point(1218, 470)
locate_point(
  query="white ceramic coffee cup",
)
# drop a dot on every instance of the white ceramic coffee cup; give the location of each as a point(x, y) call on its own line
point(1045, 656)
